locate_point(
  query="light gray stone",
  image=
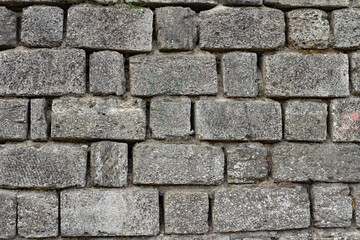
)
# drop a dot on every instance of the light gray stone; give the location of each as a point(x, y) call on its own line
point(100, 212)
point(261, 208)
point(13, 119)
point(355, 192)
point(175, 74)
point(195, 237)
point(291, 74)
point(45, 165)
point(38, 214)
point(202, 3)
point(109, 164)
point(345, 24)
point(298, 162)
point(238, 120)
point(8, 22)
point(186, 212)
point(356, 3)
point(326, 4)
point(261, 28)
point(175, 164)
point(28, 2)
point(98, 118)
point(239, 74)
point(7, 213)
point(335, 235)
point(38, 119)
point(242, 2)
point(113, 28)
point(331, 205)
point(355, 72)
point(294, 236)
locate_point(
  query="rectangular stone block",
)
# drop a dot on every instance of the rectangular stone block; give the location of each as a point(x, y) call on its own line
point(8, 22)
point(345, 24)
point(355, 192)
point(261, 28)
point(326, 4)
point(98, 118)
point(7, 213)
point(238, 120)
point(45, 165)
point(100, 212)
point(355, 72)
point(38, 119)
point(42, 72)
point(202, 3)
point(261, 208)
point(242, 2)
point(174, 74)
point(175, 164)
point(13, 119)
point(290, 74)
point(297, 162)
point(115, 28)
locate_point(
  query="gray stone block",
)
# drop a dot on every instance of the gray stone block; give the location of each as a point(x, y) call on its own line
point(107, 74)
point(38, 214)
point(175, 74)
point(45, 165)
point(242, 2)
point(294, 236)
point(8, 22)
point(176, 28)
point(331, 205)
point(155, 3)
point(326, 4)
point(42, 26)
point(113, 212)
point(291, 74)
point(109, 164)
point(196, 237)
point(355, 72)
point(175, 164)
point(13, 119)
point(261, 28)
point(261, 208)
point(186, 212)
point(335, 234)
point(238, 120)
point(113, 28)
point(29, 2)
point(98, 118)
point(38, 119)
point(297, 162)
point(345, 24)
point(355, 192)
point(7, 213)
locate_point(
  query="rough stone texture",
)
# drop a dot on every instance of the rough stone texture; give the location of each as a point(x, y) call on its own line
point(107, 75)
point(299, 162)
point(355, 191)
point(308, 28)
point(7, 213)
point(261, 208)
point(262, 28)
point(42, 72)
point(175, 74)
point(345, 23)
point(27, 2)
point(290, 74)
point(13, 119)
point(176, 28)
point(196, 237)
point(238, 120)
point(109, 164)
point(239, 74)
point(38, 214)
point(242, 2)
point(186, 212)
point(246, 162)
point(157, 163)
point(49, 165)
point(100, 212)
point(170, 117)
point(326, 4)
point(38, 119)
point(205, 3)
point(42, 26)
point(305, 120)
point(8, 22)
point(98, 118)
point(345, 120)
point(355, 72)
point(332, 205)
point(112, 28)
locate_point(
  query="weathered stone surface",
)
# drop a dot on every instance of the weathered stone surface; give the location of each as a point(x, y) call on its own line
point(290, 74)
point(243, 2)
point(157, 163)
point(7, 213)
point(332, 205)
point(261, 28)
point(355, 191)
point(13, 119)
point(112, 28)
point(8, 22)
point(38, 119)
point(246, 162)
point(109, 164)
point(98, 118)
point(208, 3)
point(49, 165)
point(99, 212)
point(42, 72)
point(38, 214)
point(261, 208)
point(355, 72)
point(28, 2)
point(334, 235)
point(327, 4)
point(42, 26)
point(176, 28)
point(238, 120)
point(308, 28)
point(170, 117)
point(107, 75)
point(305, 120)
point(239, 74)
point(345, 120)
point(175, 74)
point(186, 212)
point(297, 162)
point(294, 236)
point(345, 23)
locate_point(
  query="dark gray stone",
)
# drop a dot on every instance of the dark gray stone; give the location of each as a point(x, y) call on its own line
point(355, 72)
point(13, 119)
point(242, 2)
point(7, 213)
point(202, 3)
point(345, 24)
point(355, 192)
point(326, 4)
point(8, 22)
point(38, 119)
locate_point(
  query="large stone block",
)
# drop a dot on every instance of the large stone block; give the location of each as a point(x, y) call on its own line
point(326, 4)
point(202, 3)
point(174, 164)
point(8, 213)
point(345, 24)
point(98, 118)
point(38, 119)
point(8, 22)
point(13, 119)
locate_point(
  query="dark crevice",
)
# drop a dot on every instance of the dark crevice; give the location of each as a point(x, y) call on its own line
point(162, 213)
